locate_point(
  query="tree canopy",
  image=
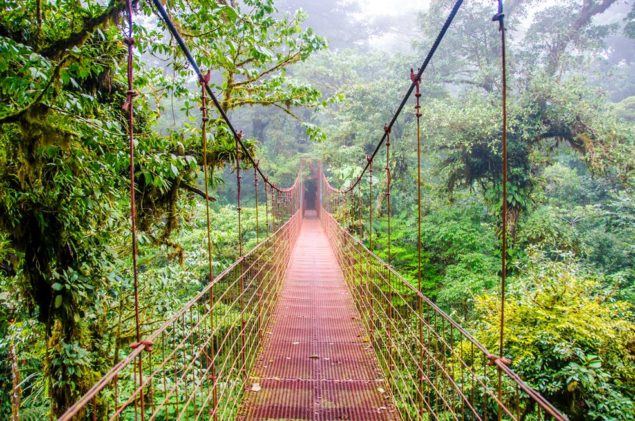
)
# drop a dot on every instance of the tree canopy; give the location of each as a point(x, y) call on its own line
point(65, 278)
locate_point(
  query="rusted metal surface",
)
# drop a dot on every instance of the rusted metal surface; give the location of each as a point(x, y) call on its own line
point(317, 362)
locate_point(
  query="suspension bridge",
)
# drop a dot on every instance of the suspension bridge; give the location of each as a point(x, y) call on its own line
point(311, 324)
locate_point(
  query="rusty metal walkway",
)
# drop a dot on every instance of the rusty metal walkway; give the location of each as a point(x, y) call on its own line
point(317, 362)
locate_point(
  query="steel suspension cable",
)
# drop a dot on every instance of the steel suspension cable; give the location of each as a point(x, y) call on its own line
point(256, 196)
point(360, 215)
point(258, 241)
point(389, 240)
point(210, 264)
point(370, 239)
point(417, 82)
point(240, 256)
point(273, 211)
point(129, 106)
point(500, 17)
point(388, 185)
point(370, 202)
point(266, 210)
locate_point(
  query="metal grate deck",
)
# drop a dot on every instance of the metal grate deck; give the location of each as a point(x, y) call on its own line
point(316, 363)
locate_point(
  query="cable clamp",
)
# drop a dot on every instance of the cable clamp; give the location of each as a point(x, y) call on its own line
point(147, 345)
point(492, 359)
point(204, 79)
point(499, 17)
point(414, 77)
point(131, 93)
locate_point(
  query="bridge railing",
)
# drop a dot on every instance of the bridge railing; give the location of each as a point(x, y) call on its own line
point(196, 364)
point(436, 370)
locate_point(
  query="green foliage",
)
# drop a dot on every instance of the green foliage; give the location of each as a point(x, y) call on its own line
point(64, 250)
point(570, 190)
point(64, 240)
point(60, 133)
point(626, 109)
point(548, 229)
point(568, 337)
point(459, 257)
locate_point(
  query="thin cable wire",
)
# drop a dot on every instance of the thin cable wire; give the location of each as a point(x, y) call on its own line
point(129, 106)
point(188, 55)
point(210, 264)
point(370, 203)
point(266, 210)
point(413, 77)
point(389, 239)
point(500, 17)
point(256, 197)
point(411, 88)
point(240, 251)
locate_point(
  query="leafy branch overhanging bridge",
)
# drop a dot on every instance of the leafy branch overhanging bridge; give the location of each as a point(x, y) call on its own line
point(310, 323)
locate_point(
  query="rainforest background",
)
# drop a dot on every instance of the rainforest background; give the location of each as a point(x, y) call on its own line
point(318, 80)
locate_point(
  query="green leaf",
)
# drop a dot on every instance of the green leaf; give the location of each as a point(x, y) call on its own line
point(230, 13)
point(58, 301)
